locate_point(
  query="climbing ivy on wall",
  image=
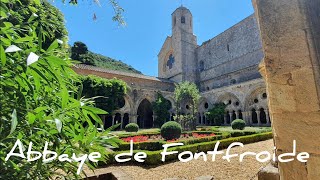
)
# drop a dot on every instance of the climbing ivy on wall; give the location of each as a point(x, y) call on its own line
point(108, 94)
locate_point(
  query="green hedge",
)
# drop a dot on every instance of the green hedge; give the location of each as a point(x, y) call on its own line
point(124, 135)
point(154, 157)
point(157, 145)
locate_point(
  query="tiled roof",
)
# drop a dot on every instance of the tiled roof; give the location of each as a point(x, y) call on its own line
point(141, 76)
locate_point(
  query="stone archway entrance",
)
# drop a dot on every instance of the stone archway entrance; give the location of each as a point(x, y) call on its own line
point(145, 114)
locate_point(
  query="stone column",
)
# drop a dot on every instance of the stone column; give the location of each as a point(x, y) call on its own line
point(113, 116)
point(290, 32)
point(267, 116)
point(258, 117)
point(225, 119)
point(154, 117)
point(103, 118)
point(133, 118)
point(245, 117)
point(237, 114)
point(121, 121)
point(230, 115)
point(250, 117)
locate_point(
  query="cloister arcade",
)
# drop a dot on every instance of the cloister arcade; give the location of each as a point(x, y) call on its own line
point(251, 107)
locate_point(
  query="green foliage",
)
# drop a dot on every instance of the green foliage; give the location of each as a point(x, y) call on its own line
point(108, 93)
point(78, 48)
point(132, 127)
point(185, 93)
point(51, 20)
point(238, 124)
point(161, 109)
point(186, 121)
point(216, 113)
point(171, 130)
point(80, 52)
point(39, 99)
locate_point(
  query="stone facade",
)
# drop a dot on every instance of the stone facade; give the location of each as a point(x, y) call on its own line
point(225, 68)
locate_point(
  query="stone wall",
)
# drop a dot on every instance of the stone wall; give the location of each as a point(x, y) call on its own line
point(231, 57)
point(290, 32)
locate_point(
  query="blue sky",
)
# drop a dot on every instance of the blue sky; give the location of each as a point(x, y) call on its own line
point(148, 25)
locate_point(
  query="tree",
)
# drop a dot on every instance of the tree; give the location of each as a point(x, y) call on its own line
point(161, 109)
point(187, 93)
point(215, 114)
point(39, 100)
point(51, 20)
point(79, 48)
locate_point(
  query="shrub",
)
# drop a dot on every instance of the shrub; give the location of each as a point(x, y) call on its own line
point(171, 130)
point(132, 127)
point(238, 124)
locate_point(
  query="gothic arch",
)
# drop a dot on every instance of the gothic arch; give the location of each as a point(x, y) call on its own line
point(231, 100)
point(145, 114)
point(256, 100)
point(138, 102)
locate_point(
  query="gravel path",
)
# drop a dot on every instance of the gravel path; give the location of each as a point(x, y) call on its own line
point(220, 169)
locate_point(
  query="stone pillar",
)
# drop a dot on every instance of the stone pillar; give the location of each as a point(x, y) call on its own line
point(230, 115)
point(154, 117)
point(258, 117)
point(246, 117)
point(225, 119)
point(290, 32)
point(133, 118)
point(267, 116)
point(237, 114)
point(103, 118)
point(121, 121)
point(113, 116)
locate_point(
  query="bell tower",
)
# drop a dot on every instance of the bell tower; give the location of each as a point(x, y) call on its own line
point(177, 59)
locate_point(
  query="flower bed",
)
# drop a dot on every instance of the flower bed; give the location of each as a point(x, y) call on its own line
point(157, 137)
point(145, 142)
point(154, 157)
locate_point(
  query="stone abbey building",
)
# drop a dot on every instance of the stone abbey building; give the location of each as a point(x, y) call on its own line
point(225, 68)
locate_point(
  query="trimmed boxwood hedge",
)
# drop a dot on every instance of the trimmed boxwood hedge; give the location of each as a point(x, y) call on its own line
point(154, 157)
point(132, 127)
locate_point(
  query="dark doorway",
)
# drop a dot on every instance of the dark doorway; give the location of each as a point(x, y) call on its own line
point(263, 117)
point(240, 114)
point(172, 117)
point(234, 115)
point(125, 120)
point(108, 121)
point(145, 113)
point(227, 117)
point(254, 116)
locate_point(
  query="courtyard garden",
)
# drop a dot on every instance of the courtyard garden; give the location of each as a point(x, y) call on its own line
point(203, 138)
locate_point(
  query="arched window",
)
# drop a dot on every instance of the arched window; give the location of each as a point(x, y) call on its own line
point(263, 116)
point(183, 19)
point(170, 61)
point(254, 116)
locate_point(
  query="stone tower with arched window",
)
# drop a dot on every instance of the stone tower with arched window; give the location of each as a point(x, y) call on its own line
point(177, 61)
